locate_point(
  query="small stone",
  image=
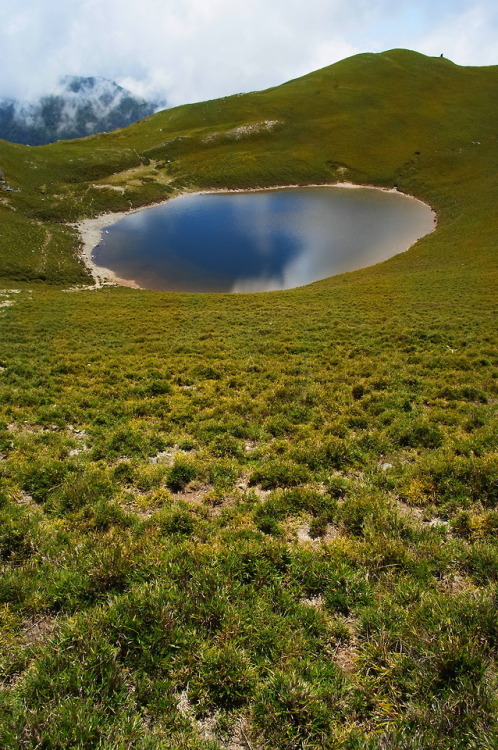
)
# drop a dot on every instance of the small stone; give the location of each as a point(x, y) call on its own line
point(163, 457)
point(385, 467)
point(438, 522)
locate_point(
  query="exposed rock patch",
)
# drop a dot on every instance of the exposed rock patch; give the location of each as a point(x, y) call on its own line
point(243, 131)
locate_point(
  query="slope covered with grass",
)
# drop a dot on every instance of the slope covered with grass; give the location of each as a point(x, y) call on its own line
point(263, 520)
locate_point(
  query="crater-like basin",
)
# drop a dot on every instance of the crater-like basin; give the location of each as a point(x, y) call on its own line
point(260, 240)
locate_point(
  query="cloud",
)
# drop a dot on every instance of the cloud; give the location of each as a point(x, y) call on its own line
point(468, 38)
point(189, 50)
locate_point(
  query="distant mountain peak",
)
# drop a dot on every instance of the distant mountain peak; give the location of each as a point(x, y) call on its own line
point(76, 84)
point(80, 106)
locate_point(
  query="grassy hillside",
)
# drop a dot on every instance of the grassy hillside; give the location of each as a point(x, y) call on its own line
point(400, 118)
point(256, 521)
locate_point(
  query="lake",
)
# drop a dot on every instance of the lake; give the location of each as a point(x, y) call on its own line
point(260, 240)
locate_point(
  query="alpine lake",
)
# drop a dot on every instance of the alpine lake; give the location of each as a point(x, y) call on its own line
point(263, 240)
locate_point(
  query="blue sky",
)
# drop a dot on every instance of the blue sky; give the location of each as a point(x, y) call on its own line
point(190, 50)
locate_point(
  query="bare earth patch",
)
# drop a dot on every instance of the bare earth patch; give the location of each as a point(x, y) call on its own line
point(206, 728)
point(243, 131)
point(35, 631)
point(303, 535)
point(346, 652)
point(194, 493)
point(5, 297)
point(419, 517)
point(117, 188)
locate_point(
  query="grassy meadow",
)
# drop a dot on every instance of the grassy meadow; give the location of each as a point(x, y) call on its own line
point(267, 521)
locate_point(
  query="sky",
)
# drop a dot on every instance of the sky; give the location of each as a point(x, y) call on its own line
point(191, 50)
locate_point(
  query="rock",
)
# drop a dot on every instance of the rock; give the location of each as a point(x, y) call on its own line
point(438, 523)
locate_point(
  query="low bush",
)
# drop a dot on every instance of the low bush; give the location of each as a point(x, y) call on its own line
point(181, 473)
point(418, 435)
point(278, 474)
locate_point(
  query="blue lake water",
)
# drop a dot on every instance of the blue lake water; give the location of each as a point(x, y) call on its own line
point(260, 241)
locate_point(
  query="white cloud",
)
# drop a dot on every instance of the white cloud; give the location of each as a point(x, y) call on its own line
point(468, 38)
point(188, 50)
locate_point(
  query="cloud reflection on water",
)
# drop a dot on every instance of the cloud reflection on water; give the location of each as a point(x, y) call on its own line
point(261, 241)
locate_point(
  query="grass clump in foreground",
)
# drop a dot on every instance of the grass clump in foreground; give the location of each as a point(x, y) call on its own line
point(258, 520)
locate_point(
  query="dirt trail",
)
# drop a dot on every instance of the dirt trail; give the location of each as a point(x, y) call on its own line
point(43, 250)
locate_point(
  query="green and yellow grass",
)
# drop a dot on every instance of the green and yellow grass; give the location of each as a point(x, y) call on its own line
point(256, 521)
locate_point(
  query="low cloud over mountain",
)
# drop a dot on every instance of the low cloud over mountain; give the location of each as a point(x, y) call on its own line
point(81, 106)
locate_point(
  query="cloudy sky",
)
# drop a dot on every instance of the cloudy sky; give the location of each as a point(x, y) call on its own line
point(190, 50)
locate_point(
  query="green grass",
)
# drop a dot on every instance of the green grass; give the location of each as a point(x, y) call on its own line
point(256, 520)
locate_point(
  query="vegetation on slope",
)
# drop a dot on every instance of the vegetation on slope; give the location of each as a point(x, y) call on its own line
point(256, 520)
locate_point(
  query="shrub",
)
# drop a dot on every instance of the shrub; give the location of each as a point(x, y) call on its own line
point(17, 537)
point(226, 445)
point(283, 503)
point(337, 487)
point(268, 525)
point(358, 391)
point(105, 514)
point(418, 435)
point(181, 473)
point(279, 474)
point(318, 526)
point(179, 522)
point(294, 713)
point(89, 485)
point(156, 387)
point(41, 478)
point(332, 453)
point(224, 679)
point(127, 441)
point(223, 475)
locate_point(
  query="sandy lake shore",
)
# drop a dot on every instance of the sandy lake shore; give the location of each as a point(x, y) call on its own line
point(90, 231)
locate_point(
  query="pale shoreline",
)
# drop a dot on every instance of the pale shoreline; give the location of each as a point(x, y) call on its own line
point(90, 230)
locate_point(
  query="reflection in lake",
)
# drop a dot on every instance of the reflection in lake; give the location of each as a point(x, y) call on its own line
point(260, 241)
